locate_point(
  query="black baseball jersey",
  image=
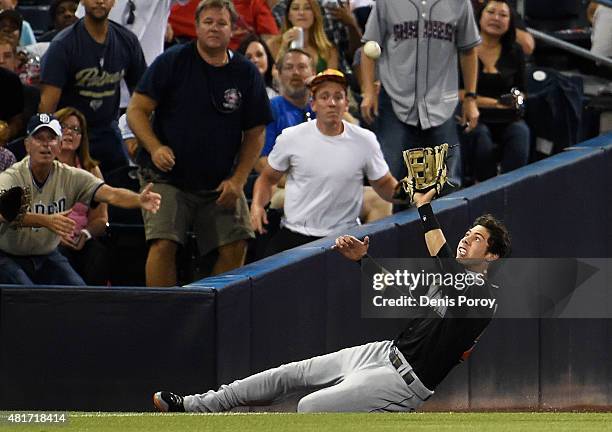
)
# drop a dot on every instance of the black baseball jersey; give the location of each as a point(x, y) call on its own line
point(433, 345)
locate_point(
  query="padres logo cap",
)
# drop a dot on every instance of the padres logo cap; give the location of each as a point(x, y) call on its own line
point(42, 120)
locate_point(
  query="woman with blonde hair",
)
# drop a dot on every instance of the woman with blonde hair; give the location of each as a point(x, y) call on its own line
point(87, 255)
point(306, 14)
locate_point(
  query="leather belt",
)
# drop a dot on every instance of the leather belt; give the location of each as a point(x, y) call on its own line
point(409, 377)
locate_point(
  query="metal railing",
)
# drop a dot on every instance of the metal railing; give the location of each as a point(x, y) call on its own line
point(566, 46)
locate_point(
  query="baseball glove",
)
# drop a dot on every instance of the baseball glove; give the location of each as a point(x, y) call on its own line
point(426, 170)
point(14, 204)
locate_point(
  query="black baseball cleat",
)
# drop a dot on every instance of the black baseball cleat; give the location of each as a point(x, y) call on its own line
point(168, 402)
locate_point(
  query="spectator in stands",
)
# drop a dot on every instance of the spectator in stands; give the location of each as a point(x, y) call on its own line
point(8, 53)
point(211, 109)
point(600, 15)
point(28, 248)
point(292, 107)
point(11, 105)
point(26, 35)
point(254, 17)
point(418, 95)
point(255, 49)
point(501, 67)
point(339, 24)
point(523, 37)
point(325, 162)
point(31, 94)
point(85, 253)
point(10, 25)
point(148, 20)
point(63, 14)
point(83, 68)
point(306, 14)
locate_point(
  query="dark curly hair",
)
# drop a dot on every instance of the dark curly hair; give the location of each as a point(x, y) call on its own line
point(499, 238)
point(509, 38)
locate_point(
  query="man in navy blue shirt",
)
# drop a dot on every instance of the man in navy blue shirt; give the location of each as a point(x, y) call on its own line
point(83, 68)
point(211, 109)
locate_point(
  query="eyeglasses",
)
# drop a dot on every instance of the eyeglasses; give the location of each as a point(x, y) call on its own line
point(132, 10)
point(50, 141)
point(74, 129)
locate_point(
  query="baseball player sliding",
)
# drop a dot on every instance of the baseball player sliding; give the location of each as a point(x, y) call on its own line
point(392, 375)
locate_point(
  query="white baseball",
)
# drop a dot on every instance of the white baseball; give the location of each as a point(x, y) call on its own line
point(372, 49)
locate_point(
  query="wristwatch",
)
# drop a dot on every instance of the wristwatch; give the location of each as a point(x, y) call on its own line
point(470, 95)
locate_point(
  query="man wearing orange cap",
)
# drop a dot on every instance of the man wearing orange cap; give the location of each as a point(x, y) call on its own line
point(325, 162)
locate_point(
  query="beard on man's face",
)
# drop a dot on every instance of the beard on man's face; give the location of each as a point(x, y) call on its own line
point(295, 92)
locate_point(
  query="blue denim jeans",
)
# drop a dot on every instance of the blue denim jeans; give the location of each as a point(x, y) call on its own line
point(396, 136)
point(506, 144)
point(51, 269)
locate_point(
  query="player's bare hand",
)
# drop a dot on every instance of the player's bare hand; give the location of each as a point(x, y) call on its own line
point(470, 114)
point(163, 158)
point(149, 200)
point(351, 247)
point(369, 107)
point(61, 225)
point(230, 192)
point(421, 199)
point(259, 219)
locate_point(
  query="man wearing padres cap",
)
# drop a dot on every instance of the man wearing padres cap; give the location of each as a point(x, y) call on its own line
point(325, 162)
point(28, 250)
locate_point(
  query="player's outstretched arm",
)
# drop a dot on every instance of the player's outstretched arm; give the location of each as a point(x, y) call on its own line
point(434, 237)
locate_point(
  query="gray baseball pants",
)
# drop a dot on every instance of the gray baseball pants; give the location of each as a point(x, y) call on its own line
point(357, 379)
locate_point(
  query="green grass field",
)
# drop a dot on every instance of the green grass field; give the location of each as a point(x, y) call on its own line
point(452, 422)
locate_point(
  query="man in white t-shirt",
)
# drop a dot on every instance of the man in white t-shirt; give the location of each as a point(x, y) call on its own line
point(325, 161)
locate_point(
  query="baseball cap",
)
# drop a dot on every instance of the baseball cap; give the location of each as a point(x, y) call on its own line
point(12, 15)
point(41, 120)
point(328, 75)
